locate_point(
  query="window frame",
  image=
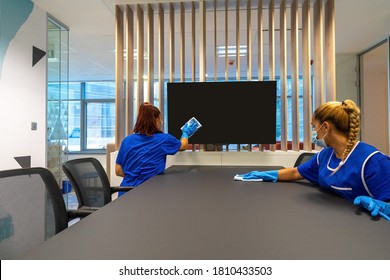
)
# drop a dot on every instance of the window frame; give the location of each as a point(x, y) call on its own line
point(84, 117)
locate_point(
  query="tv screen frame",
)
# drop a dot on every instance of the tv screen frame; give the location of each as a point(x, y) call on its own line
point(239, 112)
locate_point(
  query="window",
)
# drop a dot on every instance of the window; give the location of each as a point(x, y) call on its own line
point(91, 110)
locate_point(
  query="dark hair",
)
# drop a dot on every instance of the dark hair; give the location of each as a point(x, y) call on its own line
point(147, 119)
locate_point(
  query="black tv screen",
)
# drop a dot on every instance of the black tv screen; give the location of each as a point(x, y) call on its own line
point(230, 112)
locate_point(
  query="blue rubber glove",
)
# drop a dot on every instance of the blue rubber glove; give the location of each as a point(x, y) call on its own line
point(189, 129)
point(376, 207)
point(266, 176)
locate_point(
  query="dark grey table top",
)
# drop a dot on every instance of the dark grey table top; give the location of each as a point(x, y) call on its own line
point(200, 212)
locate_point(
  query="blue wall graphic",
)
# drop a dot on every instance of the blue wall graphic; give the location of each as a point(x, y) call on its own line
point(13, 13)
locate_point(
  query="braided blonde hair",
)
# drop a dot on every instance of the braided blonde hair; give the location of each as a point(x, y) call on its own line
point(345, 116)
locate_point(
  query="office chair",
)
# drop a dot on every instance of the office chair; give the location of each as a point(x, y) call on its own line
point(90, 182)
point(303, 158)
point(32, 210)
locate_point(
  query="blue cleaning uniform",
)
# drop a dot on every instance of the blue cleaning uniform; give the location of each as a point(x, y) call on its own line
point(366, 171)
point(143, 157)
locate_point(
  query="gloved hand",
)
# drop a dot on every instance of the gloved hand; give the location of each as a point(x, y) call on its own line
point(376, 207)
point(266, 176)
point(189, 129)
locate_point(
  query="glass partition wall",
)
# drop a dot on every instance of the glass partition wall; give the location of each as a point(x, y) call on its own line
point(57, 98)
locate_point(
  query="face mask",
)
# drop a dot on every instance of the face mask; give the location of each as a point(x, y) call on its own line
point(319, 142)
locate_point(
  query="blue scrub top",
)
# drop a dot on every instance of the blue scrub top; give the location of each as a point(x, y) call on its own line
point(143, 157)
point(366, 171)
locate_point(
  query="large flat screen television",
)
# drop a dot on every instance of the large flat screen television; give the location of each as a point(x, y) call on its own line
point(230, 112)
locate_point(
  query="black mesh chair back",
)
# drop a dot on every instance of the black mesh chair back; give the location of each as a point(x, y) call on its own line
point(89, 180)
point(303, 158)
point(32, 210)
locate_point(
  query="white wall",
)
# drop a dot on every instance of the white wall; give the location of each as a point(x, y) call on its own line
point(346, 77)
point(23, 95)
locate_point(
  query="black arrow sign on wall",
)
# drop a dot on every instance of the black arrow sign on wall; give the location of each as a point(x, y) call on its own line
point(37, 55)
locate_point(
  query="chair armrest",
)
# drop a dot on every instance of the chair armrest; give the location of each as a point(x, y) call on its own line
point(73, 214)
point(88, 208)
point(121, 189)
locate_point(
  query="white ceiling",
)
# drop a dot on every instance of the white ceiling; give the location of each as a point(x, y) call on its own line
point(359, 25)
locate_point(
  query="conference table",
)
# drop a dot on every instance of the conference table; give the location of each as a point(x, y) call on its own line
point(201, 213)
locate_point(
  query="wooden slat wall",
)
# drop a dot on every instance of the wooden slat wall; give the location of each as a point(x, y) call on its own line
point(323, 56)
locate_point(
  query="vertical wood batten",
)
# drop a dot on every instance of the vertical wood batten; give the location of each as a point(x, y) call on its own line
point(271, 46)
point(161, 59)
point(119, 62)
point(249, 40)
point(238, 64)
point(215, 40)
point(171, 43)
point(283, 77)
point(149, 96)
point(307, 107)
point(330, 56)
point(193, 40)
point(318, 54)
point(260, 56)
point(129, 70)
point(193, 31)
point(249, 46)
point(226, 43)
point(271, 41)
point(226, 49)
point(140, 57)
point(202, 45)
point(294, 76)
point(182, 42)
point(202, 41)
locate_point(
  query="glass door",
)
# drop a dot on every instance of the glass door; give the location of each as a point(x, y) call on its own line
point(57, 96)
point(374, 96)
